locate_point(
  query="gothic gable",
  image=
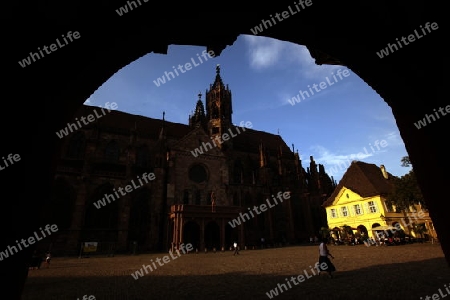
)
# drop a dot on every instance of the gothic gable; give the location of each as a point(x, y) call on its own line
point(198, 142)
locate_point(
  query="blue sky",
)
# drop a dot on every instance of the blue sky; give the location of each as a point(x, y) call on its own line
point(340, 123)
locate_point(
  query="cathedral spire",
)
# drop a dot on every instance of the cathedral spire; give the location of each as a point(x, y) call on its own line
point(218, 83)
point(198, 116)
point(218, 108)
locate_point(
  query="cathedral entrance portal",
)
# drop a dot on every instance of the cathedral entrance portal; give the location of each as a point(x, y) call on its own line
point(191, 234)
point(212, 235)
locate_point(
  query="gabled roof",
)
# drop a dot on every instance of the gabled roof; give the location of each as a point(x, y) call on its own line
point(364, 179)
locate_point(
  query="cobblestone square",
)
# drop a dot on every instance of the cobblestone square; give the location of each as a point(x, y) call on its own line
point(395, 272)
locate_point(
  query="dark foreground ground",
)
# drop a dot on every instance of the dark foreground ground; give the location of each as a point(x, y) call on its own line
point(397, 272)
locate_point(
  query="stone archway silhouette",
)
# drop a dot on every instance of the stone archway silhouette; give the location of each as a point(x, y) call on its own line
point(58, 83)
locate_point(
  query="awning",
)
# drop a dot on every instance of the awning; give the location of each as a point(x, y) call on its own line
point(385, 227)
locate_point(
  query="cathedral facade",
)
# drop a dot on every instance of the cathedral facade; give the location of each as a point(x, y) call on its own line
point(204, 175)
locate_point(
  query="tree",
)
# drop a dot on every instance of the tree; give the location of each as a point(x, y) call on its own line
point(419, 230)
point(346, 233)
point(406, 191)
point(406, 162)
point(324, 232)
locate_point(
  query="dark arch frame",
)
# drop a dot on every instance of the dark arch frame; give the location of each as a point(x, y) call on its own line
point(73, 75)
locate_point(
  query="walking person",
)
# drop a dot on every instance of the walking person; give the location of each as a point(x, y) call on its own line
point(236, 250)
point(324, 255)
point(48, 258)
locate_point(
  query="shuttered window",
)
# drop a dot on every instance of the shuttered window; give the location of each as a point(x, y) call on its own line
point(372, 207)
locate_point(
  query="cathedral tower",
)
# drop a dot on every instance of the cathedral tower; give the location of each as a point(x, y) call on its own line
point(218, 108)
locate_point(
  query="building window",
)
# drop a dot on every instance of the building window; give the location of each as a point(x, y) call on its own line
point(186, 197)
point(142, 156)
point(372, 207)
point(357, 208)
point(333, 213)
point(235, 199)
point(112, 152)
point(344, 211)
point(77, 146)
point(237, 172)
point(198, 197)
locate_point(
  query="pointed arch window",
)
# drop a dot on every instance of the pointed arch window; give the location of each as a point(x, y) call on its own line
point(112, 152)
point(235, 199)
point(238, 171)
point(215, 110)
point(107, 216)
point(76, 146)
point(142, 156)
point(198, 198)
point(247, 200)
point(186, 197)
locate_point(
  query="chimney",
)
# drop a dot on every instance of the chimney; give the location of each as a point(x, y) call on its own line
point(383, 171)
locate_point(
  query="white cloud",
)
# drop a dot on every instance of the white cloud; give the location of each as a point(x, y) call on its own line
point(263, 52)
point(337, 164)
point(394, 139)
point(326, 157)
point(267, 54)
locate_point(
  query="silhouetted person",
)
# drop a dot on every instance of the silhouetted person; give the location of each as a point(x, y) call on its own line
point(48, 258)
point(236, 250)
point(323, 258)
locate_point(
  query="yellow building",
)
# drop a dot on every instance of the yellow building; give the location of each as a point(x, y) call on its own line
point(359, 202)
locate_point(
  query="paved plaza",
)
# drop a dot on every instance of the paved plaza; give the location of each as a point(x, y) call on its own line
point(395, 272)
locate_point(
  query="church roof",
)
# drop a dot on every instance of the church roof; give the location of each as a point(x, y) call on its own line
point(122, 123)
point(249, 141)
point(364, 179)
